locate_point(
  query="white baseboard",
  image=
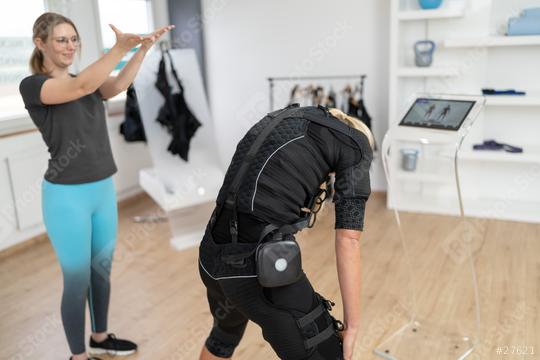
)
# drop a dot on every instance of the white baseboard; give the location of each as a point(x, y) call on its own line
point(129, 192)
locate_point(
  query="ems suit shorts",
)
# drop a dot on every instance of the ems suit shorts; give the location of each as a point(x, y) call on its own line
point(294, 319)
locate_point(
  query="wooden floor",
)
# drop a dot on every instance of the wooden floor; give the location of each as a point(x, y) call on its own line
point(158, 300)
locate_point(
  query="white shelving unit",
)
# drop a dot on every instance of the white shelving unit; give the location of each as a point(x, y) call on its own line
point(493, 41)
point(427, 72)
point(423, 177)
point(471, 54)
point(511, 100)
point(530, 155)
point(412, 15)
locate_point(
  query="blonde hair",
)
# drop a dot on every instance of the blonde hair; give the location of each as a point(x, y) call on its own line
point(354, 123)
point(43, 29)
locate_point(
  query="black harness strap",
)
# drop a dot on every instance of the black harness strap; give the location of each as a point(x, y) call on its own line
point(319, 338)
point(311, 316)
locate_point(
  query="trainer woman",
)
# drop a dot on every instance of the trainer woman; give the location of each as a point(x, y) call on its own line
point(78, 195)
point(248, 258)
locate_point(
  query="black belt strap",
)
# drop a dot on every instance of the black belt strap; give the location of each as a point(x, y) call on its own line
point(296, 226)
point(285, 229)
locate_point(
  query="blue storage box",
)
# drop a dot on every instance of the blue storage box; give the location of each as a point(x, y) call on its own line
point(528, 23)
point(531, 12)
point(524, 26)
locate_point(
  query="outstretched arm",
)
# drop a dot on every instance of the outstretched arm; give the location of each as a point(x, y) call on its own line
point(62, 90)
point(348, 268)
point(116, 84)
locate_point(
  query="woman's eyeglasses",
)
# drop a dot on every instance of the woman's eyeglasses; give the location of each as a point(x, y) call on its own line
point(64, 41)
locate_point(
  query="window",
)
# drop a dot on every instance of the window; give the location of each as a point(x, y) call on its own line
point(15, 49)
point(133, 16)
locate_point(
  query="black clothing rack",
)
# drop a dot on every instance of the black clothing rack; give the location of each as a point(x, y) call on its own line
point(271, 81)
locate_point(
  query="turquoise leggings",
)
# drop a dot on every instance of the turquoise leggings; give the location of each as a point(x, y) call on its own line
point(82, 222)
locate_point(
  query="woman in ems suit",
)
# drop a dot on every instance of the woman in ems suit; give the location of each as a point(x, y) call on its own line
point(248, 258)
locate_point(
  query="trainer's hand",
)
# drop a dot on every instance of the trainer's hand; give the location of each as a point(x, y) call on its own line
point(349, 339)
point(150, 39)
point(126, 41)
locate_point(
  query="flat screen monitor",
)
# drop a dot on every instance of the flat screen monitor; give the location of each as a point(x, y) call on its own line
point(437, 113)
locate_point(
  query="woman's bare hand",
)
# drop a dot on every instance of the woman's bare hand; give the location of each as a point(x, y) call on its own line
point(150, 39)
point(349, 339)
point(126, 41)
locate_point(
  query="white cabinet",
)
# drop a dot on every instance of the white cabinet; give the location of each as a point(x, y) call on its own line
point(26, 171)
point(23, 161)
point(7, 207)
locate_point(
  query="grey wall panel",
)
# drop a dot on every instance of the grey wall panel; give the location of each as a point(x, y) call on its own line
point(186, 15)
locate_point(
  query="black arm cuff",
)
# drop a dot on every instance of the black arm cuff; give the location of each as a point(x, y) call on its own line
point(350, 213)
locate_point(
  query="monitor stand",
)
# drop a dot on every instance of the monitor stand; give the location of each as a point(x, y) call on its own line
point(443, 324)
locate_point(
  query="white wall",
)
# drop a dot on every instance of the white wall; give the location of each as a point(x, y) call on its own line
point(247, 41)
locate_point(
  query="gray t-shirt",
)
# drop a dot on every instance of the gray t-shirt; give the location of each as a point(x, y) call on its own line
point(75, 133)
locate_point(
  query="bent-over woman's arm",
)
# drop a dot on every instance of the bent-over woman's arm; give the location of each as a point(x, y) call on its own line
point(348, 268)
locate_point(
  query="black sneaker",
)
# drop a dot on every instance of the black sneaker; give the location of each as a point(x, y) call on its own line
point(112, 346)
point(90, 358)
